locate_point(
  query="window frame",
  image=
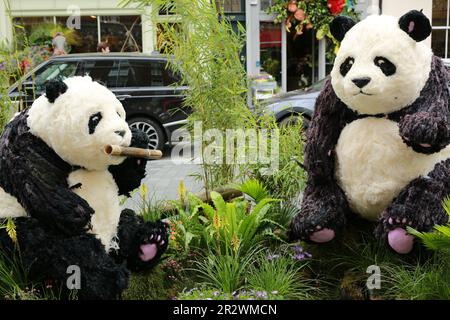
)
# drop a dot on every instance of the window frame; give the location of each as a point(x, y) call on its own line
point(446, 28)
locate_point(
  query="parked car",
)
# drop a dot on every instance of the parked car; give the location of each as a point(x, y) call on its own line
point(288, 107)
point(141, 82)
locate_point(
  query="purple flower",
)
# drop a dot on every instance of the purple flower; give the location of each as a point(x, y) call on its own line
point(300, 254)
point(216, 293)
point(298, 249)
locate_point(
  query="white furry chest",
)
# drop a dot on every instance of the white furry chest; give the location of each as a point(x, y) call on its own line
point(99, 189)
point(374, 164)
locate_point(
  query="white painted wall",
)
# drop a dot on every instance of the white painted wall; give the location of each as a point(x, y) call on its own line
point(398, 8)
point(5, 25)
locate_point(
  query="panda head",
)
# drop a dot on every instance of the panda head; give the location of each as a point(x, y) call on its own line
point(77, 118)
point(382, 65)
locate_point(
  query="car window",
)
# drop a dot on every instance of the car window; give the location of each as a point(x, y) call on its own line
point(56, 70)
point(104, 71)
point(144, 73)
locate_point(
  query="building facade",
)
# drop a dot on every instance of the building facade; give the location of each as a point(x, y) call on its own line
point(293, 61)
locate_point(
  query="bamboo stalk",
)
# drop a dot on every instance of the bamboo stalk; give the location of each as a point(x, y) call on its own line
point(131, 152)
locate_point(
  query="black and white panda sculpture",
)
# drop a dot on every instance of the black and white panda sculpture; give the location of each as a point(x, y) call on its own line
point(378, 144)
point(63, 191)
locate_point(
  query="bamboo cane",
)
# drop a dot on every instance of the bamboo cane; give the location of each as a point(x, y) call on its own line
point(131, 152)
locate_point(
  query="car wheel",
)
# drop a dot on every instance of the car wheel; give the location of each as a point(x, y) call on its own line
point(152, 129)
point(293, 119)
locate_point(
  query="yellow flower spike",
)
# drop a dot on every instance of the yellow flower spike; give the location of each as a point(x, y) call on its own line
point(235, 243)
point(143, 191)
point(11, 230)
point(181, 191)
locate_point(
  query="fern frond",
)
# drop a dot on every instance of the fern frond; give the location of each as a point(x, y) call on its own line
point(254, 189)
point(434, 240)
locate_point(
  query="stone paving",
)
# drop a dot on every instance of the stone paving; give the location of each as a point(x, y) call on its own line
point(163, 179)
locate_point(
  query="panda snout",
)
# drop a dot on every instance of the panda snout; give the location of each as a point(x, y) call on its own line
point(361, 82)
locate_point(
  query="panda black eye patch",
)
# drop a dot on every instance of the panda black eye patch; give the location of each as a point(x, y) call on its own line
point(94, 120)
point(347, 65)
point(387, 67)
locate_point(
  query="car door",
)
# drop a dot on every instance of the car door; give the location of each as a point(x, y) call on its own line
point(145, 87)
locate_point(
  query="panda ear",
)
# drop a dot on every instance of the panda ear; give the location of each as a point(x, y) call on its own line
point(340, 26)
point(53, 89)
point(416, 25)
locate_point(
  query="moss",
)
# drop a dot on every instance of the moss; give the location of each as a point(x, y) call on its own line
point(151, 285)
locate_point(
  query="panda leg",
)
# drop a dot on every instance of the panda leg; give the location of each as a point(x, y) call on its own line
point(51, 257)
point(419, 205)
point(322, 214)
point(141, 244)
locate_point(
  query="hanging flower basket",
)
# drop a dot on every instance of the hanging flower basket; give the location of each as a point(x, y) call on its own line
point(309, 14)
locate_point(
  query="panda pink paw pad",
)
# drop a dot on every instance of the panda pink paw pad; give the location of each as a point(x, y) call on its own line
point(149, 249)
point(322, 236)
point(148, 252)
point(400, 241)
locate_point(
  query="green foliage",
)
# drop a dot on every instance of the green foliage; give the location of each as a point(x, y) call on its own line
point(438, 240)
point(289, 179)
point(211, 294)
point(43, 34)
point(317, 15)
point(280, 276)
point(206, 54)
point(225, 272)
point(220, 226)
point(419, 281)
point(255, 189)
point(235, 226)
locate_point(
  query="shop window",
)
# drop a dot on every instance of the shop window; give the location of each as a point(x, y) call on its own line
point(122, 33)
point(440, 40)
point(88, 33)
point(270, 44)
point(231, 6)
point(266, 4)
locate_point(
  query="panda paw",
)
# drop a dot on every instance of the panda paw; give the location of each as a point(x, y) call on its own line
point(393, 229)
point(152, 242)
point(322, 214)
point(424, 132)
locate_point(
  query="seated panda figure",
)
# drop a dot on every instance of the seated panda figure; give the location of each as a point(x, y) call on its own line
point(378, 143)
point(62, 190)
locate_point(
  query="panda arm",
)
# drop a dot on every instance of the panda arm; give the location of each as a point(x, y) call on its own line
point(425, 126)
point(37, 177)
point(134, 234)
point(324, 204)
point(129, 174)
point(330, 117)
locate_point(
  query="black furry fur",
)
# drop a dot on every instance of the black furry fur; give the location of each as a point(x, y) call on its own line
point(426, 121)
point(55, 235)
point(53, 89)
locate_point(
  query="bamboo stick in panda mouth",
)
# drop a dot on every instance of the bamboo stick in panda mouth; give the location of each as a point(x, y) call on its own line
point(119, 151)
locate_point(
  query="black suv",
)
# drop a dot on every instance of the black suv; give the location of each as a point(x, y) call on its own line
point(141, 82)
